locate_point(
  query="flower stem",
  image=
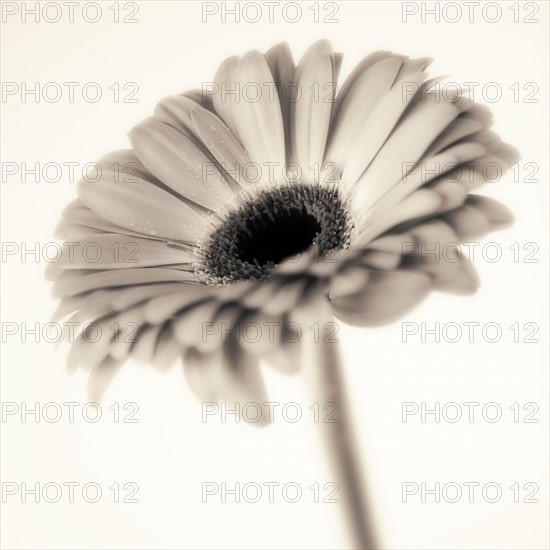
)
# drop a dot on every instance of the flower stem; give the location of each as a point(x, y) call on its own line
point(323, 370)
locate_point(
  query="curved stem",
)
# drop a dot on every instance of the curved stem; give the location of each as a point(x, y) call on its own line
point(323, 368)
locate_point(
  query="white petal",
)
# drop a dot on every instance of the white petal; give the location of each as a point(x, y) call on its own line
point(421, 203)
point(176, 112)
point(66, 230)
point(383, 196)
point(363, 66)
point(496, 213)
point(190, 327)
point(167, 350)
point(259, 124)
point(78, 213)
point(379, 259)
point(141, 207)
point(286, 298)
point(223, 100)
point(230, 376)
point(143, 350)
point(310, 113)
point(377, 127)
point(101, 377)
point(177, 161)
point(222, 144)
point(123, 298)
point(349, 281)
point(281, 64)
point(406, 146)
point(113, 251)
point(72, 282)
point(458, 129)
point(387, 297)
point(368, 89)
point(161, 308)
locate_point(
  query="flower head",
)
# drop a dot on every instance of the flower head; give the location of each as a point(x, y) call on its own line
point(236, 208)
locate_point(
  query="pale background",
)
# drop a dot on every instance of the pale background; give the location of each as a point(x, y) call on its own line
point(170, 452)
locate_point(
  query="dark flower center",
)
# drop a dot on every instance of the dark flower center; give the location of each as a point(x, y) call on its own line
point(272, 226)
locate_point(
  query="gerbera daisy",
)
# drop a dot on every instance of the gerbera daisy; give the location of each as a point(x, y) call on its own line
point(254, 205)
